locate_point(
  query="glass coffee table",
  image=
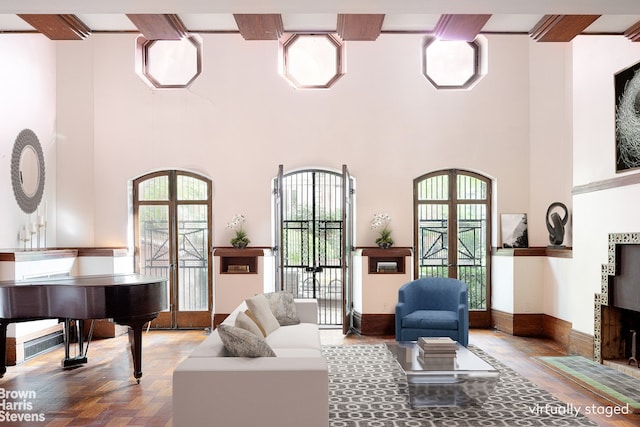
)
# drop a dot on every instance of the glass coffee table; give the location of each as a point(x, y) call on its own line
point(470, 382)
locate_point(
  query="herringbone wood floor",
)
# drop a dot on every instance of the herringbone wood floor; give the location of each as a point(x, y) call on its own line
point(104, 392)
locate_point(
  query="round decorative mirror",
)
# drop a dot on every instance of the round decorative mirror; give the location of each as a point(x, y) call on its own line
point(27, 171)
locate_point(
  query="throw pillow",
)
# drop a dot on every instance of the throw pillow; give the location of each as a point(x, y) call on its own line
point(283, 307)
point(259, 307)
point(245, 322)
point(242, 343)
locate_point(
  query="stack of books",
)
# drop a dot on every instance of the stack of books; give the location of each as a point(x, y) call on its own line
point(437, 353)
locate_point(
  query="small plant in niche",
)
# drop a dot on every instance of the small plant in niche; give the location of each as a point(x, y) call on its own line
point(240, 240)
point(381, 223)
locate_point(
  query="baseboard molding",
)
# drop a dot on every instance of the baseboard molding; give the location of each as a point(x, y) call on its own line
point(522, 325)
point(374, 324)
point(543, 325)
point(16, 346)
point(557, 330)
point(581, 344)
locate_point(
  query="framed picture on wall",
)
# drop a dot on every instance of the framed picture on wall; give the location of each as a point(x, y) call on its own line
point(514, 230)
point(627, 92)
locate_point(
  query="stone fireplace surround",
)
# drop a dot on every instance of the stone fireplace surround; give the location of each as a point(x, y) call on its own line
point(613, 323)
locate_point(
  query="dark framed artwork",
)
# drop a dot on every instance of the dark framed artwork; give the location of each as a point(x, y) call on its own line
point(627, 92)
point(514, 230)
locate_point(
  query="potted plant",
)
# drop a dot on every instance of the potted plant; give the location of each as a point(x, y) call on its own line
point(381, 222)
point(240, 240)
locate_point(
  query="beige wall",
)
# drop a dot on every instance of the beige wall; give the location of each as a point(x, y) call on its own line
point(240, 119)
point(28, 96)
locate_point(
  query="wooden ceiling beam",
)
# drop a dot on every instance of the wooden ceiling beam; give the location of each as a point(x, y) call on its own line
point(561, 28)
point(359, 27)
point(58, 27)
point(159, 26)
point(266, 26)
point(633, 32)
point(460, 27)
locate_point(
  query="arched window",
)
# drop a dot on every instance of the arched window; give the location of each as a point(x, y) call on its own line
point(452, 210)
point(172, 224)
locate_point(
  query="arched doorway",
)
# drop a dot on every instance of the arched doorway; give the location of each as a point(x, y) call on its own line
point(452, 234)
point(314, 240)
point(172, 228)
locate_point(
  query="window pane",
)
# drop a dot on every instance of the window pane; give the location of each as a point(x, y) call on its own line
point(312, 61)
point(472, 256)
point(192, 258)
point(168, 63)
point(471, 188)
point(435, 188)
point(153, 223)
point(154, 189)
point(190, 188)
point(172, 62)
point(450, 63)
point(433, 244)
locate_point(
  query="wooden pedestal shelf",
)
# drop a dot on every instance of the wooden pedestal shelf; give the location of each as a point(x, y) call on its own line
point(548, 251)
point(386, 261)
point(238, 261)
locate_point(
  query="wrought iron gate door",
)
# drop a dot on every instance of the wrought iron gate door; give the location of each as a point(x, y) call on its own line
point(311, 240)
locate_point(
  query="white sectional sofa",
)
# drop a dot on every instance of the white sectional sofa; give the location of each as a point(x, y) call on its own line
point(211, 388)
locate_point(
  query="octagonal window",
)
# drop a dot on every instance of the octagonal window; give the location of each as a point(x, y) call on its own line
point(312, 61)
point(169, 64)
point(451, 64)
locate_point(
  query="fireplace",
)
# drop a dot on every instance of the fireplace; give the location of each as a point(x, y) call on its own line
point(617, 307)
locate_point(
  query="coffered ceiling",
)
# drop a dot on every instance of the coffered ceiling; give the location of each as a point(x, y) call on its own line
point(543, 20)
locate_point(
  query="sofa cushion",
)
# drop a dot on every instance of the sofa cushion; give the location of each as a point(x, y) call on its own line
point(303, 335)
point(431, 319)
point(242, 343)
point(283, 307)
point(244, 321)
point(260, 309)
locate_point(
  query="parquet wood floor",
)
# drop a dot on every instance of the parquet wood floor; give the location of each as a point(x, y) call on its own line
point(104, 392)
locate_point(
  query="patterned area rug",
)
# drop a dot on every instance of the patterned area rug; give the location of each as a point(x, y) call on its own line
point(368, 388)
point(605, 381)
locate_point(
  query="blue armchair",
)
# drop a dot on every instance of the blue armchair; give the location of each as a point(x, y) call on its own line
point(433, 307)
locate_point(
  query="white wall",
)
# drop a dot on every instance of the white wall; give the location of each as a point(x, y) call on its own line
point(27, 85)
point(595, 61)
point(551, 136)
point(240, 119)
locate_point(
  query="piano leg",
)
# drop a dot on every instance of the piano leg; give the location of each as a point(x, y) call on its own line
point(135, 340)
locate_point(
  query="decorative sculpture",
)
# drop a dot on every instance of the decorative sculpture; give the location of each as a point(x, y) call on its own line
point(555, 224)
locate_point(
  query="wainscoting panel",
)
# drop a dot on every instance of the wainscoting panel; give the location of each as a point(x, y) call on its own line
point(543, 325)
point(581, 344)
point(523, 325)
point(556, 329)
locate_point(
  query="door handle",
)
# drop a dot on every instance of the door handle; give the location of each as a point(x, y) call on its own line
point(313, 269)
